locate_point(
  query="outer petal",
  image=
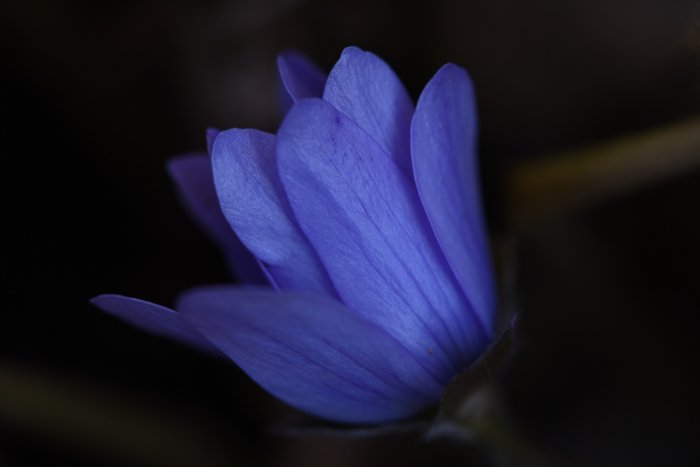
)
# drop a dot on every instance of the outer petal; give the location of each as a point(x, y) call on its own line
point(443, 140)
point(364, 219)
point(299, 78)
point(311, 352)
point(193, 176)
point(366, 89)
point(246, 180)
point(153, 318)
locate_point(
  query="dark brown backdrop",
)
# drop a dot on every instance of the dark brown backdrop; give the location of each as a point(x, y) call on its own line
point(97, 96)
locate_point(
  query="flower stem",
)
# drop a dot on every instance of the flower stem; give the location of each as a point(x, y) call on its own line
point(482, 420)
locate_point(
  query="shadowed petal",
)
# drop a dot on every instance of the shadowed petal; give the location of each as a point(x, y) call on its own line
point(364, 87)
point(299, 78)
point(193, 176)
point(153, 318)
point(211, 135)
point(443, 140)
point(246, 180)
point(364, 219)
point(311, 352)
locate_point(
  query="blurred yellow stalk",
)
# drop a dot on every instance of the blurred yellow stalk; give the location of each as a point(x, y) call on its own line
point(95, 425)
point(558, 184)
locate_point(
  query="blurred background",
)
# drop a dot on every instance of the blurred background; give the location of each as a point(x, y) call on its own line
point(96, 96)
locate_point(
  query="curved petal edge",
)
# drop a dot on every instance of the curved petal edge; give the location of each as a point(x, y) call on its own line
point(253, 203)
point(299, 78)
point(443, 149)
point(313, 353)
point(152, 318)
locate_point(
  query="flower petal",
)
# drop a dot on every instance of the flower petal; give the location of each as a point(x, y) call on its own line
point(246, 180)
point(364, 87)
point(193, 176)
point(312, 353)
point(443, 143)
point(211, 135)
point(153, 318)
point(364, 219)
point(299, 78)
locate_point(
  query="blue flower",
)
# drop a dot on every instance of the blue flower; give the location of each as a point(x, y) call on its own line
point(361, 223)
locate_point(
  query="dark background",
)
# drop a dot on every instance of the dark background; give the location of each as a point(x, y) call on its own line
point(98, 95)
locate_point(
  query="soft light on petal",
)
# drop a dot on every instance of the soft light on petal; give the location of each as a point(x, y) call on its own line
point(364, 87)
point(443, 145)
point(311, 352)
point(364, 219)
point(153, 318)
point(245, 176)
point(193, 176)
